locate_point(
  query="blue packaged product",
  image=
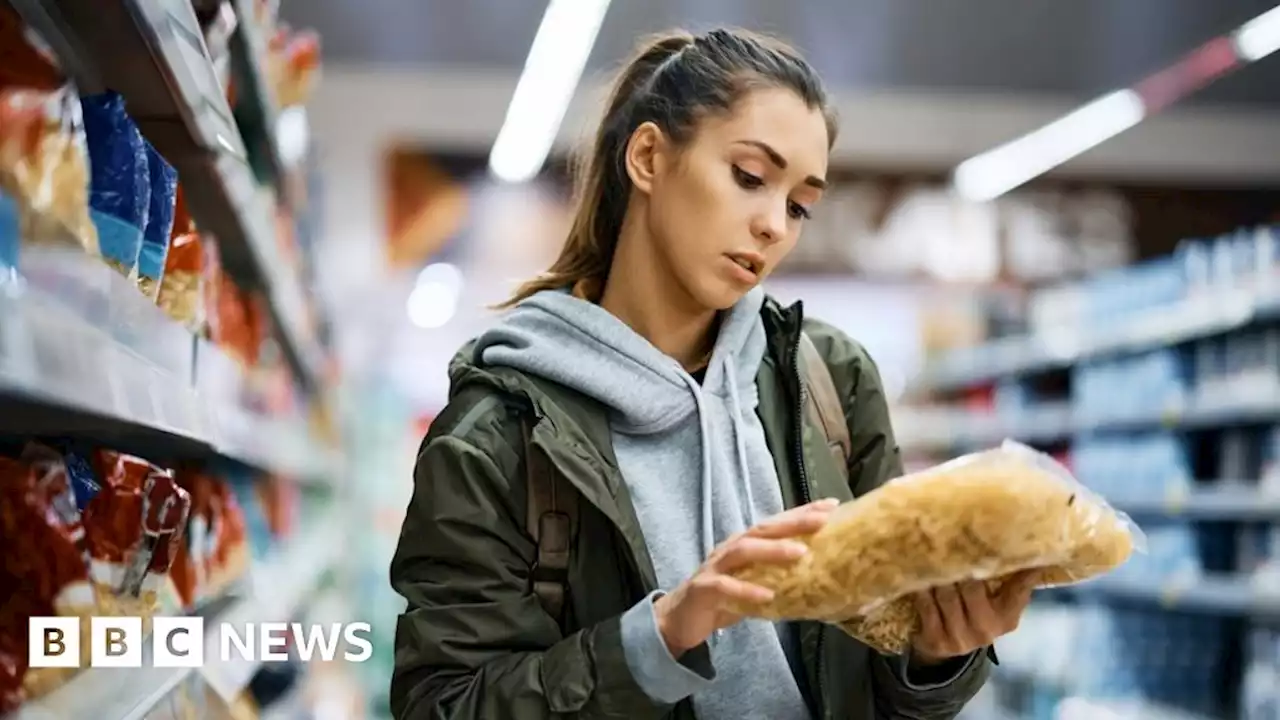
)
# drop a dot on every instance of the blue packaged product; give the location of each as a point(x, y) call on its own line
point(155, 238)
point(119, 185)
point(84, 481)
point(9, 226)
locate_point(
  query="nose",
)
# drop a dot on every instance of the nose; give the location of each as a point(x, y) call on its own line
point(770, 223)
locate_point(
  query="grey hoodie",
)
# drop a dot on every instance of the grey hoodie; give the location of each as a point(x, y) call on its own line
point(696, 463)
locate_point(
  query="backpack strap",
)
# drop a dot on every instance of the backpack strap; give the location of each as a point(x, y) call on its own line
point(551, 517)
point(823, 402)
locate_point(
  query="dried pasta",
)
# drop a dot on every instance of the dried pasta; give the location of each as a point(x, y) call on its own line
point(980, 517)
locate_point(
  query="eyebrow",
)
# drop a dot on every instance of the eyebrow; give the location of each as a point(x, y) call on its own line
point(776, 158)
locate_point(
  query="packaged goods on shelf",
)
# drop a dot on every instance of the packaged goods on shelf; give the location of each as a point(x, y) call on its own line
point(22, 64)
point(217, 549)
point(156, 236)
point(1260, 691)
point(233, 321)
point(181, 294)
point(985, 516)
point(135, 523)
point(79, 546)
point(120, 187)
point(1142, 467)
point(45, 561)
point(95, 532)
point(44, 168)
point(295, 63)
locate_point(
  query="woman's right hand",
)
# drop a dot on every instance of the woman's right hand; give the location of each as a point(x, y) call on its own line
point(688, 615)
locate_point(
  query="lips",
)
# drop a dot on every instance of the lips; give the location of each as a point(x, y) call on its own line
point(752, 262)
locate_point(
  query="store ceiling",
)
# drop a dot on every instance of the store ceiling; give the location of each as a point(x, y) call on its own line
point(1077, 48)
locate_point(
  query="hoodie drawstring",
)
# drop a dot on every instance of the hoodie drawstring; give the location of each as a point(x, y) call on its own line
point(704, 425)
point(735, 419)
point(740, 450)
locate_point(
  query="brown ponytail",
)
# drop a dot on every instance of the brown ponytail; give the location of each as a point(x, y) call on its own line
point(672, 81)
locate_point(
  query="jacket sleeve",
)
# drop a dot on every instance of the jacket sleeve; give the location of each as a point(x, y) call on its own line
point(474, 642)
point(876, 459)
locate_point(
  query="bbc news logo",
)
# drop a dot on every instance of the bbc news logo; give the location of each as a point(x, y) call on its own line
point(181, 642)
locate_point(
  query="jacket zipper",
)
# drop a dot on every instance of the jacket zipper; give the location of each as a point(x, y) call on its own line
point(806, 497)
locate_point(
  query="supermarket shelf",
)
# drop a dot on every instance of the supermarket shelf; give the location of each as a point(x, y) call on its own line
point(154, 54)
point(131, 694)
point(1200, 317)
point(249, 48)
point(1216, 594)
point(1221, 500)
point(280, 590)
point(83, 353)
point(947, 428)
point(1078, 708)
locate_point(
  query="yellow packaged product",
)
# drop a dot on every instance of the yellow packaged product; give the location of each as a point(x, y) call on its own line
point(44, 167)
point(983, 516)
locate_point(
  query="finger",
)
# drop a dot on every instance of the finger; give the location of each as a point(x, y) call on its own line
point(748, 550)
point(804, 520)
point(953, 617)
point(931, 625)
point(983, 617)
point(725, 587)
point(1015, 595)
point(820, 507)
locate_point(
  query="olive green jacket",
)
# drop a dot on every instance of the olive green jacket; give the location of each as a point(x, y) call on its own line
point(475, 642)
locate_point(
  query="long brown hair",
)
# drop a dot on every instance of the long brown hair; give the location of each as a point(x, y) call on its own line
point(673, 80)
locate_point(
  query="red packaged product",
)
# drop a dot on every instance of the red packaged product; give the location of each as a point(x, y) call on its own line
point(181, 288)
point(231, 556)
point(21, 63)
point(44, 561)
point(191, 574)
point(134, 525)
point(228, 312)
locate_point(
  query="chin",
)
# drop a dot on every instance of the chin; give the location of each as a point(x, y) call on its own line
point(718, 295)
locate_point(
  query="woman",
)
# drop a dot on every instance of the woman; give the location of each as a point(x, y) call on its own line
point(647, 382)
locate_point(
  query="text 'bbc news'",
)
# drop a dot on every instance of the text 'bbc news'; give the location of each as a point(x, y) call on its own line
point(182, 642)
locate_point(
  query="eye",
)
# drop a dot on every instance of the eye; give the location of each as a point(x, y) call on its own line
point(798, 211)
point(746, 179)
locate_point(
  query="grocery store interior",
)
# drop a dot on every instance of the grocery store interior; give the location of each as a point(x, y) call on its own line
point(240, 241)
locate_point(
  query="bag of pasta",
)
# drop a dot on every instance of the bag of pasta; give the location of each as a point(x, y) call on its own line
point(983, 516)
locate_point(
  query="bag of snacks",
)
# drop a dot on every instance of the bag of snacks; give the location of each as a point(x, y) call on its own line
point(155, 236)
point(22, 62)
point(182, 286)
point(983, 516)
point(120, 188)
point(44, 168)
point(134, 525)
point(45, 560)
point(215, 552)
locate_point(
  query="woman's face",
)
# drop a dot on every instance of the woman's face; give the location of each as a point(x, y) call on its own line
point(727, 207)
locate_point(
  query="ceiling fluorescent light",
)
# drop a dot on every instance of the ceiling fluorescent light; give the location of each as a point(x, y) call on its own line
point(547, 84)
point(1259, 37)
point(996, 172)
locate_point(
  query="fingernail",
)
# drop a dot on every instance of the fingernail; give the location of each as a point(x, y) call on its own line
point(828, 502)
point(797, 549)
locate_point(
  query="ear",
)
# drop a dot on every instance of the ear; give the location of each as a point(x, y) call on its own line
point(645, 156)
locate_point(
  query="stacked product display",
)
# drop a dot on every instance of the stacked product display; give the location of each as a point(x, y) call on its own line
point(168, 442)
point(1159, 385)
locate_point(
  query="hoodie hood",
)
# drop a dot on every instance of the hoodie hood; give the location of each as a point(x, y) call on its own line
point(575, 343)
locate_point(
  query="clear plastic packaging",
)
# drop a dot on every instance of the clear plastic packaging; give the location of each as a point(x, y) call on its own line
point(983, 516)
point(181, 293)
point(120, 182)
point(44, 168)
point(160, 217)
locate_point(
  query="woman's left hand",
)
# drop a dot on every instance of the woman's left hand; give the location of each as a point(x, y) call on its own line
point(958, 619)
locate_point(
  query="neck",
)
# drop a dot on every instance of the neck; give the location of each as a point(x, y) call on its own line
point(642, 292)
